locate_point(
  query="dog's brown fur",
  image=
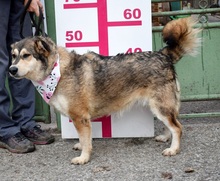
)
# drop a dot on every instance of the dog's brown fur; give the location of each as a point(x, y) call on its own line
point(93, 85)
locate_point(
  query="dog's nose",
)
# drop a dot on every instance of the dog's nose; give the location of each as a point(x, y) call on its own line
point(13, 70)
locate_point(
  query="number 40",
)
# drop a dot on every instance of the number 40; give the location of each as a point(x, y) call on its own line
point(130, 50)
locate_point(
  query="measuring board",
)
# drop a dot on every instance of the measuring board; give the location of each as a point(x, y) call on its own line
point(107, 27)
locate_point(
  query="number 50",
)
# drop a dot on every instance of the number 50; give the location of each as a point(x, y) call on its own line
point(77, 35)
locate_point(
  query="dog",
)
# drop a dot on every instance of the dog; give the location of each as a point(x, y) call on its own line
point(92, 85)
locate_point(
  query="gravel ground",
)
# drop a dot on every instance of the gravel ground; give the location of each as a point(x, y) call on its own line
point(126, 159)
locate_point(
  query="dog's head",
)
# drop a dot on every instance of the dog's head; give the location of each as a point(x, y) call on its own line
point(33, 58)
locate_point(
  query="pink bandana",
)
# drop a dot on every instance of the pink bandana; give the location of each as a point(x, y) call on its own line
point(47, 86)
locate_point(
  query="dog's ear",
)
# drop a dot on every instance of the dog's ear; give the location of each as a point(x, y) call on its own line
point(42, 47)
point(13, 45)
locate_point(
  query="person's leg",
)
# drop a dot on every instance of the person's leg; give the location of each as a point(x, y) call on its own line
point(7, 126)
point(10, 136)
point(22, 91)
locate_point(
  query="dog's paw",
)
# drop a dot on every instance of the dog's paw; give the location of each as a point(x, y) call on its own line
point(79, 160)
point(162, 138)
point(77, 146)
point(170, 152)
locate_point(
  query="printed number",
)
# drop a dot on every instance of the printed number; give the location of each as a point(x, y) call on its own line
point(130, 50)
point(73, 0)
point(136, 13)
point(77, 35)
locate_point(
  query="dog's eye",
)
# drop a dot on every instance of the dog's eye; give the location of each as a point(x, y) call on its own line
point(26, 55)
point(13, 56)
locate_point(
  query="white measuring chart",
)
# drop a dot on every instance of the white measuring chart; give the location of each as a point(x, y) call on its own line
point(107, 27)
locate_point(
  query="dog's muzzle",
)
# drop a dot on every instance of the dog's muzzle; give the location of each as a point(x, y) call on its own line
point(13, 70)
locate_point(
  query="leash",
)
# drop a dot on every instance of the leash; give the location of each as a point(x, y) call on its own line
point(37, 22)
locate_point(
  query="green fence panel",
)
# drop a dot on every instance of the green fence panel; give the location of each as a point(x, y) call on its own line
point(42, 110)
point(199, 75)
point(50, 17)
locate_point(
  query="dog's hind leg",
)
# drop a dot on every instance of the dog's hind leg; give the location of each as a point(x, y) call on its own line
point(176, 131)
point(83, 127)
point(168, 115)
point(165, 136)
point(77, 146)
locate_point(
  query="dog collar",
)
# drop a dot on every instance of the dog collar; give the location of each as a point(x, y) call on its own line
point(47, 86)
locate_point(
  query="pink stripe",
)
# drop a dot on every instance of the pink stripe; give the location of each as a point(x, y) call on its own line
point(106, 126)
point(103, 27)
point(125, 23)
point(82, 5)
point(82, 44)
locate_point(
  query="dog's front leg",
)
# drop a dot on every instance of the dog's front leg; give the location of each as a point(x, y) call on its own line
point(83, 127)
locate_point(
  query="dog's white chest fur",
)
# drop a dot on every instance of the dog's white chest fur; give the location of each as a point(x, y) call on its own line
point(60, 103)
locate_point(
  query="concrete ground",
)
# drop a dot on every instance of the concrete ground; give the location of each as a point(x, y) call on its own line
point(125, 159)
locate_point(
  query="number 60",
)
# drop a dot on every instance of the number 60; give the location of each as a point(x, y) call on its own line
point(128, 13)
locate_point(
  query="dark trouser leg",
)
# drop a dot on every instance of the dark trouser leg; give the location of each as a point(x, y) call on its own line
point(22, 91)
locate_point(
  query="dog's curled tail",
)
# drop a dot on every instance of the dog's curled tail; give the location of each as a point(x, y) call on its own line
point(181, 38)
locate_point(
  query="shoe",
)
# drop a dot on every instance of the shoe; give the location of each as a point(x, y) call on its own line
point(17, 144)
point(38, 136)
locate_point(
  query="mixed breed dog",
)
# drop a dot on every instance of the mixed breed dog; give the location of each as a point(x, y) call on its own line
point(93, 85)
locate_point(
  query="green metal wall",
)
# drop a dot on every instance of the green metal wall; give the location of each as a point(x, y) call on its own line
point(42, 110)
point(50, 17)
point(199, 76)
